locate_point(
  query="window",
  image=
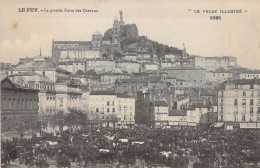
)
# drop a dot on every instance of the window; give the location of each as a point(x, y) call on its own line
point(235, 117)
point(244, 93)
point(114, 110)
point(251, 118)
point(221, 117)
point(221, 94)
point(23, 104)
point(258, 102)
point(125, 108)
point(26, 85)
point(108, 103)
point(113, 103)
point(258, 118)
point(251, 110)
point(258, 109)
point(108, 110)
point(243, 110)
point(243, 118)
point(235, 110)
point(10, 103)
point(243, 102)
point(61, 102)
point(97, 110)
point(221, 102)
point(251, 102)
point(37, 86)
point(235, 102)
point(252, 94)
point(221, 109)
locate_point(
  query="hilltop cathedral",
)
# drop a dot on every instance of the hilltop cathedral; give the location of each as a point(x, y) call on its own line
point(97, 47)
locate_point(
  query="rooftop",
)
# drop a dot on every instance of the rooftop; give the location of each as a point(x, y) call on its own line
point(184, 68)
point(102, 92)
point(141, 79)
point(73, 42)
point(160, 103)
point(177, 113)
point(31, 73)
point(120, 95)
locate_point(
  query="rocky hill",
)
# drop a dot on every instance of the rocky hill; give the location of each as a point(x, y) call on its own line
point(129, 38)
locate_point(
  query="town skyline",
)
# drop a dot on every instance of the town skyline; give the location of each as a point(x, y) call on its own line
point(208, 39)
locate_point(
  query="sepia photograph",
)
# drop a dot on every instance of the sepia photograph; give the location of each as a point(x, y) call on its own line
point(130, 84)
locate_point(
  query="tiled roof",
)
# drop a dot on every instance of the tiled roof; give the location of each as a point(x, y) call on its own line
point(202, 105)
point(160, 103)
point(221, 70)
point(97, 33)
point(127, 61)
point(66, 63)
point(177, 113)
point(116, 72)
point(102, 92)
point(141, 79)
point(37, 65)
point(123, 95)
point(184, 68)
point(91, 72)
point(30, 73)
point(73, 42)
point(99, 59)
point(246, 81)
point(68, 81)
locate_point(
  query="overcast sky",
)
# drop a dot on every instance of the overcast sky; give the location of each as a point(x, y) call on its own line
point(168, 22)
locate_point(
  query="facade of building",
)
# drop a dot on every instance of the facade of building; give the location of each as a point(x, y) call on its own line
point(219, 76)
point(68, 95)
point(4, 69)
point(169, 57)
point(19, 107)
point(198, 61)
point(113, 109)
point(202, 113)
point(45, 68)
point(112, 76)
point(100, 65)
point(132, 85)
point(239, 102)
point(246, 74)
point(194, 75)
point(225, 62)
point(45, 87)
point(161, 111)
point(129, 66)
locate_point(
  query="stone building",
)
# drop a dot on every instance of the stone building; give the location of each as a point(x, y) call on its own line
point(19, 107)
point(112, 109)
point(239, 103)
point(45, 87)
point(195, 76)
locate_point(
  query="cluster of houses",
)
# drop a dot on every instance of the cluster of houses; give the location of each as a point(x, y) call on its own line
point(135, 88)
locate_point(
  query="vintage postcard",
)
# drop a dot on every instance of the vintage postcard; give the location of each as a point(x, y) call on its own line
point(97, 83)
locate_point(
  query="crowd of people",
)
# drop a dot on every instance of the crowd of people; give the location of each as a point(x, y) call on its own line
point(138, 147)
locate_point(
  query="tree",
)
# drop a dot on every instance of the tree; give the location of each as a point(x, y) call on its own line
point(114, 119)
point(76, 117)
